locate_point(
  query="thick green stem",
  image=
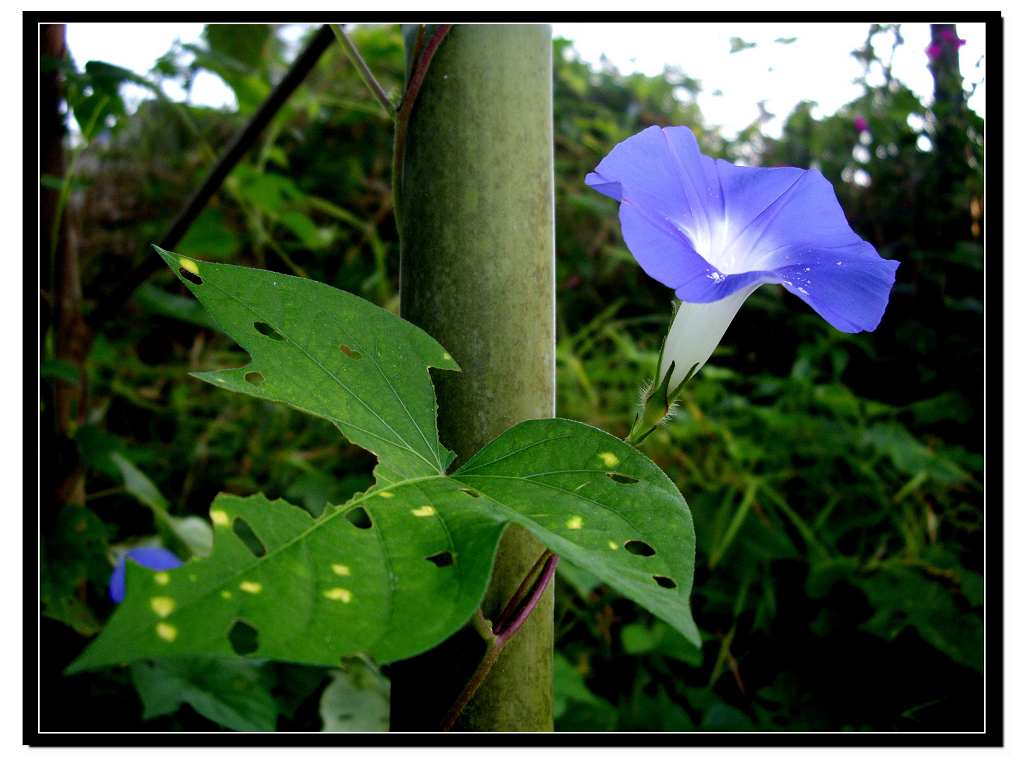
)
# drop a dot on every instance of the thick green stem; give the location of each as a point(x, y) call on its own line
point(477, 273)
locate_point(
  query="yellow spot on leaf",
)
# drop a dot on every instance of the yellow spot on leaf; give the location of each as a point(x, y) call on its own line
point(386, 495)
point(446, 356)
point(341, 570)
point(162, 578)
point(167, 632)
point(162, 606)
point(575, 523)
point(425, 511)
point(189, 265)
point(225, 594)
point(219, 517)
point(609, 458)
point(252, 587)
point(339, 593)
point(612, 545)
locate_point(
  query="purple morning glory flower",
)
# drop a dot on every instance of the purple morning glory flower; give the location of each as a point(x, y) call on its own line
point(934, 50)
point(154, 558)
point(860, 124)
point(714, 232)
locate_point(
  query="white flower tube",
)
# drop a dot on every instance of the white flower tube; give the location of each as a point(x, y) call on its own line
point(694, 335)
point(695, 332)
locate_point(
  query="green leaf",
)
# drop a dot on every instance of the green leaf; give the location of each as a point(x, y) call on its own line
point(315, 490)
point(405, 572)
point(584, 583)
point(569, 685)
point(269, 192)
point(74, 554)
point(911, 456)
point(322, 589)
point(157, 302)
point(904, 597)
point(193, 531)
point(232, 693)
point(331, 354)
point(305, 229)
point(401, 567)
point(575, 707)
point(51, 182)
point(138, 484)
point(357, 699)
point(62, 370)
point(210, 236)
point(638, 639)
point(598, 503)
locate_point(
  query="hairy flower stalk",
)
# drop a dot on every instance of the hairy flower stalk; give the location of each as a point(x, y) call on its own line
point(715, 232)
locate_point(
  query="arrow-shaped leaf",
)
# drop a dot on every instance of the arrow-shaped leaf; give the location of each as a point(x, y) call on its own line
point(330, 353)
point(401, 567)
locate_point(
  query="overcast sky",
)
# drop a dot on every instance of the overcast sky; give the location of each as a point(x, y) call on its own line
point(817, 66)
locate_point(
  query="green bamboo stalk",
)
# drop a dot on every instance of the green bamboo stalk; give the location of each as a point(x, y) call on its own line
point(477, 273)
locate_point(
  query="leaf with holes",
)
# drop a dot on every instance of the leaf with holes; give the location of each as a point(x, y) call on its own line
point(331, 354)
point(387, 574)
point(600, 504)
point(400, 567)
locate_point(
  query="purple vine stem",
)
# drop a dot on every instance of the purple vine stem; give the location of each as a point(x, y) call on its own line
point(512, 618)
point(504, 631)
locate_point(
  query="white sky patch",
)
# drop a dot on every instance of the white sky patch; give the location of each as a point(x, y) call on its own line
point(817, 66)
point(137, 47)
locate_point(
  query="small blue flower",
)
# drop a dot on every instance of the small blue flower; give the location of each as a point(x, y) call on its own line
point(154, 558)
point(714, 232)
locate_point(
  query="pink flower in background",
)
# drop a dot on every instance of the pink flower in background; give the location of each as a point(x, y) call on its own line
point(860, 123)
point(934, 51)
point(949, 36)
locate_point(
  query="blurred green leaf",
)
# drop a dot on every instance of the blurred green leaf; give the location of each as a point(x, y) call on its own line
point(231, 693)
point(161, 303)
point(61, 370)
point(639, 638)
point(903, 597)
point(210, 237)
point(74, 557)
point(909, 455)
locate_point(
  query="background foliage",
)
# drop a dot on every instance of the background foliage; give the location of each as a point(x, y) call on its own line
point(835, 480)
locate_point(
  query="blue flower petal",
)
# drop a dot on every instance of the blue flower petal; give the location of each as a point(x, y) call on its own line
point(707, 228)
point(848, 286)
point(154, 558)
point(663, 253)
